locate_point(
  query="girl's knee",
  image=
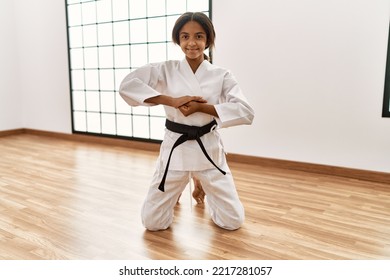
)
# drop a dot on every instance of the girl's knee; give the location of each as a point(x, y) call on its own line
point(234, 222)
point(153, 219)
point(154, 227)
point(230, 220)
point(151, 223)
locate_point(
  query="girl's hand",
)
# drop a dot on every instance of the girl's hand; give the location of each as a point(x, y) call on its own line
point(180, 101)
point(174, 102)
point(189, 108)
point(193, 106)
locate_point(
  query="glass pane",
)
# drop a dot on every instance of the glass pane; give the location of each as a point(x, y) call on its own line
point(138, 31)
point(104, 10)
point(124, 125)
point(122, 56)
point(74, 15)
point(121, 32)
point(76, 58)
point(120, 9)
point(122, 106)
point(93, 101)
point(197, 5)
point(141, 126)
point(72, 1)
point(105, 34)
point(108, 124)
point(75, 37)
point(137, 8)
point(107, 101)
point(176, 6)
point(141, 110)
point(88, 12)
point(80, 121)
point(170, 23)
point(120, 74)
point(77, 79)
point(157, 52)
point(91, 58)
point(78, 99)
point(91, 79)
point(157, 111)
point(107, 80)
point(156, 30)
point(139, 55)
point(93, 122)
point(175, 52)
point(90, 36)
point(106, 57)
point(157, 128)
point(156, 7)
point(207, 52)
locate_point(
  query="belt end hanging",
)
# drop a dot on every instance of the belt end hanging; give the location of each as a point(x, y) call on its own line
point(161, 187)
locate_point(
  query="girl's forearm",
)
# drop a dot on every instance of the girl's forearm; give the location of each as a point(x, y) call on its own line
point(160, 100)
point(208, 109)
point(175, 102)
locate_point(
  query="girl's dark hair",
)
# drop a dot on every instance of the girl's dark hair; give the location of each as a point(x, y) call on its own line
point(200, 18)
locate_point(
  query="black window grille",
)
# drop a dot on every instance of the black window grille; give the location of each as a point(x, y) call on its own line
point(106, 40)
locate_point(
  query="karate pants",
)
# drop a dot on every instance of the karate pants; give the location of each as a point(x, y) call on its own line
point(224, 204)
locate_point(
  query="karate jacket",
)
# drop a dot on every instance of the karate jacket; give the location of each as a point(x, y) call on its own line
point(176, 78)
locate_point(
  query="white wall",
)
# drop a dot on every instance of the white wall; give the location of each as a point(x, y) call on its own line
point(313, 70)
point(42, 49)
point(10, 96)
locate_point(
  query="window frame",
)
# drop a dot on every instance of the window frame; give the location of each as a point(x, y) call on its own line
point(85, 90)
point(386, 94)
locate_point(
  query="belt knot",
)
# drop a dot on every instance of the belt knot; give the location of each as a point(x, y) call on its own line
point(193, 133)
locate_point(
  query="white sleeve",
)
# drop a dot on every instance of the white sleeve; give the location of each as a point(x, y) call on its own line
point(140, 84)
point(233, 108)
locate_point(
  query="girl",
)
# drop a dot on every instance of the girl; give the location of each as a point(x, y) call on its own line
point(198, 97)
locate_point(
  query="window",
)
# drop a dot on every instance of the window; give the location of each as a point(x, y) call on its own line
point(107, 39)
point(386, 97)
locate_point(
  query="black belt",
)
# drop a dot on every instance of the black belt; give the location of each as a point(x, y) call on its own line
point(189, 132)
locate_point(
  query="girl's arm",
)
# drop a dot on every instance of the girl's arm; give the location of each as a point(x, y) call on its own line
point(195, 106)
point(233, 108)
point(174, 102)
point(140, 87)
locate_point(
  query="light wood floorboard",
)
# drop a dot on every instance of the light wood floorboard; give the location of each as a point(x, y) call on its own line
point(61, 199)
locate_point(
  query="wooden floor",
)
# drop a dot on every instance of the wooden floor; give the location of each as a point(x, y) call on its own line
point(63, 199)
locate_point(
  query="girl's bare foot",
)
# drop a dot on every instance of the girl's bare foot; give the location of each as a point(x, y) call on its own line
point(198, 193)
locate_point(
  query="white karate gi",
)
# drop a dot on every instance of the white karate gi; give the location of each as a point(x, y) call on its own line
point(218, 87)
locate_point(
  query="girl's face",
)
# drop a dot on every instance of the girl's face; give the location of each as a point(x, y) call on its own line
point(193, 40)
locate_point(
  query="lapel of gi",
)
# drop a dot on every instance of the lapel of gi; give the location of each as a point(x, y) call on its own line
point(189, 77)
